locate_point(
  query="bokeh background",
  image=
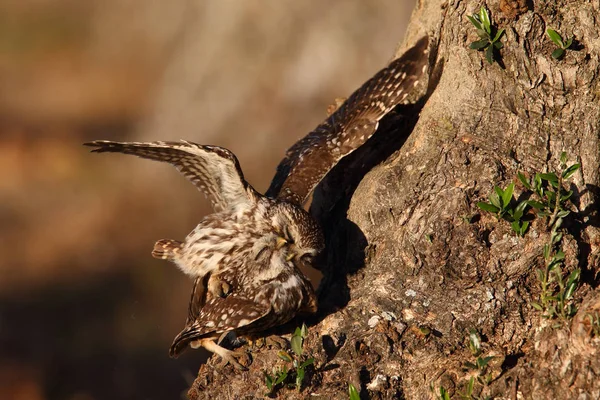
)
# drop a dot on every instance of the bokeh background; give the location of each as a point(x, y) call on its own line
point(85, 312)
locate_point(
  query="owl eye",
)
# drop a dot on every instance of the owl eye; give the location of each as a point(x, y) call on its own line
point(288, 236)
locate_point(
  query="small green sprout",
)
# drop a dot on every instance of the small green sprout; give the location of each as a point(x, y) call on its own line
point(557, 292)
point(500, 204)
point(489, 36)
point(481, 363)
point(558, 40)
point(556, 297)
point(353, 393)
point(442, 394)
point(297, 370)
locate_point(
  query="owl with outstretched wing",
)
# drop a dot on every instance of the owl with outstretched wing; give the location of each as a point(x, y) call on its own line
point(246, 256)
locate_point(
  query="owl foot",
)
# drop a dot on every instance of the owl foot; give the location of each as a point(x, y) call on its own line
point(276, 341)
point(239, 359)
point(271, 341)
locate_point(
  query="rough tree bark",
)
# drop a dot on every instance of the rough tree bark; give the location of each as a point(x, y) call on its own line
point(413, 265)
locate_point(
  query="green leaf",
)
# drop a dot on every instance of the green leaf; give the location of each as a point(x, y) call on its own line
point(507, 196)
point(470, 365)
point(304, 331)
point(558, 53)
point(536, 204)
point(488, 207)
point(470, 386)
point(475, 22)
point(537, 306)
point(567, 173)
point(559, 256)
point(516, 227)
point(549, 176)
point(499, 191)
point(480, 44)
point(520, 210)
point(299, 378)
point(483, 362)
point(269, 381)
point(568, 43)
point(284, 355)
point(546, 252)
point(523, 180)
point(557, 238)
point(485, 20)
point(563, 157)
point(498, 45)
point(540, 275)
point(474, 342)
point(281, 376)
point(563, 213)
point(572, 283)
point(524, 227)
point(498, 34)
point(489, 54)
point(537, 180)
point(482, 34)
point(566, 196)
point(352, 392)
point(555, 37)
point(444, 395)
point(308, 362)
point(495, 197)
point(296, 344)
point(551, 197)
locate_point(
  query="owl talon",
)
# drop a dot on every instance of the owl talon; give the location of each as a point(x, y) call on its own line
point(258, 343)
point(277, 342)
point(235, 358)
point(239, 359)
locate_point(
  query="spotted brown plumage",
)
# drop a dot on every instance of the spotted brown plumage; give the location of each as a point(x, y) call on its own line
point(250, 245)
point(245, 257)
point(348, 127)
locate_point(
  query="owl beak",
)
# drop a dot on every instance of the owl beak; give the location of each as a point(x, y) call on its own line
point(280, 242)
point(291, 254)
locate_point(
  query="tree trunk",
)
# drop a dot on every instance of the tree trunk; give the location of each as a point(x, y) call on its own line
point(415, 272)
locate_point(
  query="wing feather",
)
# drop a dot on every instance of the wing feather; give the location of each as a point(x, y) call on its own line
point(212, 169)
point(238, 313)
point(349, 127)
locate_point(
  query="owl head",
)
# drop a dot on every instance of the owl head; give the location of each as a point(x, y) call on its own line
point(298, 233)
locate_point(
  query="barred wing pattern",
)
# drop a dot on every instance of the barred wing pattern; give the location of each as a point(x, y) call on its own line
point(348, 128)
point(212, 169)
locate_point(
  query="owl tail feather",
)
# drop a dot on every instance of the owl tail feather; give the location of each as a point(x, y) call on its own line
point(167, 249)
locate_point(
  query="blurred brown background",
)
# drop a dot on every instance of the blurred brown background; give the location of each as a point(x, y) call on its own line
point(85, 312)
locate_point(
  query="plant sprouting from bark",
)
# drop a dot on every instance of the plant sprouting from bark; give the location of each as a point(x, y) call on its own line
point(293, 372)
point(557, 287)
point(442, 394)
point(502, 205)
point(559, 42)
point(481, 363)
point(353, 393)
point(489, 35)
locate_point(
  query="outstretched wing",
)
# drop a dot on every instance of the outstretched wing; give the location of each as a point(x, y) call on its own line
point(348, 128)
point(219, 315)
point(212, 169)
